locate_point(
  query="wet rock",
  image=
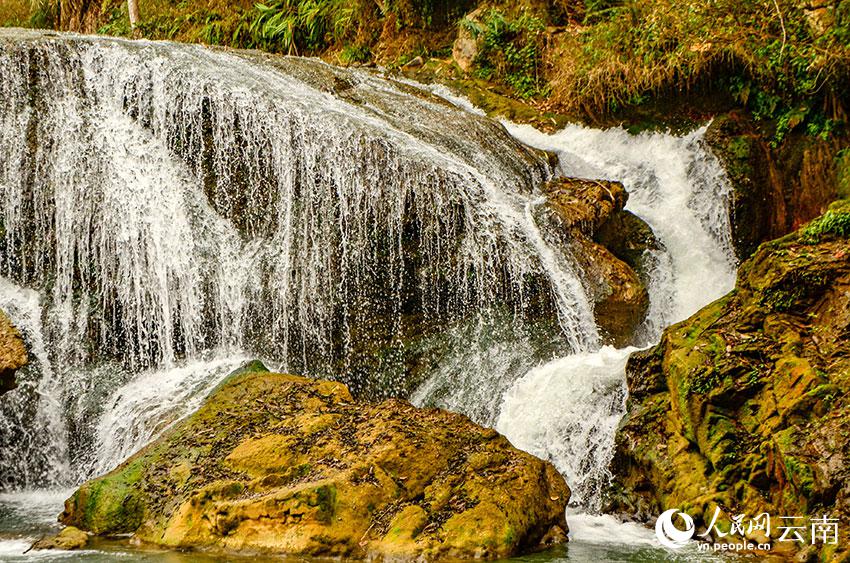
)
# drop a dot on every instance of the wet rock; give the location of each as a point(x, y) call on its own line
point(776, 189)
point(279, 463)
point(68, 539)
point(13, 354)
point(610, 246)
point(744, 406)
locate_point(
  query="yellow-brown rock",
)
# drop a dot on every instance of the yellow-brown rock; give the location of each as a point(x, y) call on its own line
point(609, 245)
point(68, 539)
point(13, 354)
point(279, 463)
point(746, 405)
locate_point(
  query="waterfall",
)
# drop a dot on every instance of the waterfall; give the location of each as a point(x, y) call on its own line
point(568, 410)
point(167, 210)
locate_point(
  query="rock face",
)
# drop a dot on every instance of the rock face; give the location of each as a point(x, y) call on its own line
point(610, 246)
point(13, 354)
point(776, 189)
point(744, 406)
point(279, 463)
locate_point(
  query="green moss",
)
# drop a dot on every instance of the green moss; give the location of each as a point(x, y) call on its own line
point(112, 505)
point(834, 223)
point(326, 502)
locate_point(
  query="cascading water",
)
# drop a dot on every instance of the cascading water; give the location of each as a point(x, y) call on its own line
point(174, 205)
point(168, 211)
point(679, 188)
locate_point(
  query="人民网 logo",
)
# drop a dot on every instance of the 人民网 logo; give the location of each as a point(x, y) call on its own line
point(671, 536)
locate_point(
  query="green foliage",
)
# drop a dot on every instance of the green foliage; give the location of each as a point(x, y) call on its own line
point(511, 50)
point(300, 26)
point(117, 23)
point(44, 14)
point(775, 58)
point(355, 54)
point(830, 223)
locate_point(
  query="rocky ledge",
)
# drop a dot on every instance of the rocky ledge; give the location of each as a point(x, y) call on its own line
point(13, 354)
point(279, 463)
point(611, 246)
point(745, 405)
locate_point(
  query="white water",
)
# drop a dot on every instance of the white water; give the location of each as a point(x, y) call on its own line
point(139, 411)
point(172, 204)
point(568, 410)
point(191, 206)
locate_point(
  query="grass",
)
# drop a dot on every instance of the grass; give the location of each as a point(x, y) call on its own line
point(771, 56)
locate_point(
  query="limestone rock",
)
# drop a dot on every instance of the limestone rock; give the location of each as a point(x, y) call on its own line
point(745, 405)
point(13, 354)
point(610, 246)
point(68, 539)
point(279, 463)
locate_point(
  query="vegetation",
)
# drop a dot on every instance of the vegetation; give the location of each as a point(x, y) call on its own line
point(786, 62)
point(777, 59)
point(835, 221)
point(511, 50)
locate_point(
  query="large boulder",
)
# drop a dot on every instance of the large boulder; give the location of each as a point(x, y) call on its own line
point(279, 463)
point(745, 406)
point(610, 246)
point(13, 354)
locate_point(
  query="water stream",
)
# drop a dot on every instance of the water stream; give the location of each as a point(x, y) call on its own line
point(170, 211)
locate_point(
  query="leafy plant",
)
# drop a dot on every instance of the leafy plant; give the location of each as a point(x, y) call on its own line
point(830, 223)
point(298, 26)
point(511, 50)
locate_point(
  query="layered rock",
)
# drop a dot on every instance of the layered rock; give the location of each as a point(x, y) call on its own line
point(13, 354)
point(279, 463)
point(610, 246)
point(744, 406)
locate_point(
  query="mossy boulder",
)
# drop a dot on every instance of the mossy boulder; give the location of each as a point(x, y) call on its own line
point(13, 353)
point(283, 464)
point(745, 405)
point(610, 246)
point(68, 539)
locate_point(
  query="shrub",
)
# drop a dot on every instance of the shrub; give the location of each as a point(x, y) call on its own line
point(780, 62)
point(511, 50)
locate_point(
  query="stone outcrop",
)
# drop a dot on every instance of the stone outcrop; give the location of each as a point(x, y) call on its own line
point(610, 246)
point(68, 539)
point(13, 354)
point(777, 189)
point(279, 463)
point(745, 405)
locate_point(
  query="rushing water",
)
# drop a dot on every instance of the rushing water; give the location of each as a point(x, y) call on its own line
point(169, 211)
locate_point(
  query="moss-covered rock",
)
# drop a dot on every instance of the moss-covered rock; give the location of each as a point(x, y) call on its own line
point(744, 406)
point(777, 187)
point(279, 463)
point(13, 354)
point(68, 539)
point(610, 246)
